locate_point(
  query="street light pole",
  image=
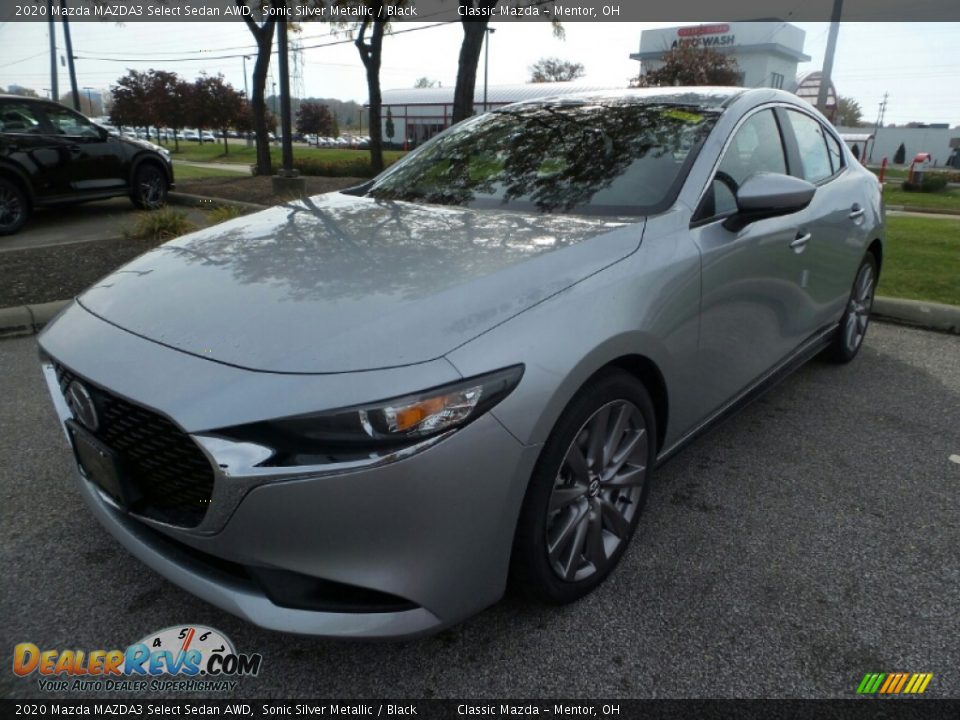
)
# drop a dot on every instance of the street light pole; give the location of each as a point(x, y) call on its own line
point(825, 75)
point(54, 91)
point(246, 90)
point(486, 63)
point(286, 121)
point(70, 65)
point(89, 101)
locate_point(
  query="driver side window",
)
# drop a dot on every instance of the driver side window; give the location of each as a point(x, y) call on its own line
point(755, 147)
point(65, 122)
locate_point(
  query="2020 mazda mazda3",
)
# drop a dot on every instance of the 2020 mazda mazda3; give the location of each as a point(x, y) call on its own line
point(359, 414)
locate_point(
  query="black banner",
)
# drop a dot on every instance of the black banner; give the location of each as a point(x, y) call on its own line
point(492, 709)
point(503, 11)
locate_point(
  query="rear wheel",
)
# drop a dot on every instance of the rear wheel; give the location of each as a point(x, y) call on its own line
point(14, 209)
point(856, 317)
point(149, 187)
point(587, 491)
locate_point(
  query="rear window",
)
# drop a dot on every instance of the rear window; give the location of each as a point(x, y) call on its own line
point(617, 158)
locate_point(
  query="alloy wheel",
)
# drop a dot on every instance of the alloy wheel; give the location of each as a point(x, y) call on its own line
point(11, 208)
point(596, 492)
point(151, 188)
point(858, 310)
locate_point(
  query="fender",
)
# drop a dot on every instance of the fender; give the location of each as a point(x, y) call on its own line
point(8, 168)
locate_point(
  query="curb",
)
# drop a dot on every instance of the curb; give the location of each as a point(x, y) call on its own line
point(208, 203)
point(30, 319)
point(925, 315)
point(923, 210)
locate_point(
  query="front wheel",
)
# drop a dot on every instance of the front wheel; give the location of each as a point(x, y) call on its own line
point(587, 490)
point(14, 208)
point(853, 325)
point(149, 187)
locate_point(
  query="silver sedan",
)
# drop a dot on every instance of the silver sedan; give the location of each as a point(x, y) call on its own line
point(361, 414)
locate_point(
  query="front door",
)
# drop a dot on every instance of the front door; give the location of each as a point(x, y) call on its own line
point(96, 159)
point(751, 298)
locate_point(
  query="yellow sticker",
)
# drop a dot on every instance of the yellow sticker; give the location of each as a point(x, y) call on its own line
point(684, 116)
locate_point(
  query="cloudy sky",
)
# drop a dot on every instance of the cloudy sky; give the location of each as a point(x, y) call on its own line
point(916, 63)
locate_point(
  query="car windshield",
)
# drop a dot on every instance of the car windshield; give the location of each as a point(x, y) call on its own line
point(594, 158)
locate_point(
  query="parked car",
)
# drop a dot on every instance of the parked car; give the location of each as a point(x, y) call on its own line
point(191, 135)
point(51, 155)
point(359, 415)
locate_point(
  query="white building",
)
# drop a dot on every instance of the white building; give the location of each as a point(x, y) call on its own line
point(767, 53)
point(417, 114)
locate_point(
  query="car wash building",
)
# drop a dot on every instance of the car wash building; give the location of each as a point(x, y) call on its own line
point(767, 53)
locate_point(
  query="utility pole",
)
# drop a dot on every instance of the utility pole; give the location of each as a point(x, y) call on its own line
point(55, 93)
point(246, 91)
point(827, 72)
point(486, 63)
point(285, 121)
point(876, 128)
point(70, 65)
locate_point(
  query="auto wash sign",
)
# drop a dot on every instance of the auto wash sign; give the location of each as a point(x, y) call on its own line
point(718, 35)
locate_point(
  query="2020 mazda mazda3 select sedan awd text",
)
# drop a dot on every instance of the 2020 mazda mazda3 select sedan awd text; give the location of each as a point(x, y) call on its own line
point(359, 414)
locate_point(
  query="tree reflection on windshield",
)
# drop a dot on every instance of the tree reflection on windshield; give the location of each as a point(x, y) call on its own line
point(610, 158)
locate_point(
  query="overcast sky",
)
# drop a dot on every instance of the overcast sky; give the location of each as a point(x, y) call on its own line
point(918, 64)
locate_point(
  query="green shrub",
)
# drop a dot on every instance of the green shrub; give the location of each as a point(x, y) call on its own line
point(163, 224)
point(222, 213)
point(341, 167)
point(931, 183)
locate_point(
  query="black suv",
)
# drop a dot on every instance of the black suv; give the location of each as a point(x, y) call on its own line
point(51, 155)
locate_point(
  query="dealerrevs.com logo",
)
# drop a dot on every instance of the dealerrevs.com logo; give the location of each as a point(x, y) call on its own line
point(190, 658)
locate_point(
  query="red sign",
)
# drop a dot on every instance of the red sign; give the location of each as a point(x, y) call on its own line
point(698, 30)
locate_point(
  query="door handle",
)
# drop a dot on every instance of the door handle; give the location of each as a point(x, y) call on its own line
point(800, 242)
point(856, 212)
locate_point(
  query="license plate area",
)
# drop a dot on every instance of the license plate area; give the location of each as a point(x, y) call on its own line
point(97, 463)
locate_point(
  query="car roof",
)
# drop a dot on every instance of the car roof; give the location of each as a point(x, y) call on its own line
point(706, 97)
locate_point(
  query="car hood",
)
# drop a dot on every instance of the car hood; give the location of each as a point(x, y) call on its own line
point(340, 283)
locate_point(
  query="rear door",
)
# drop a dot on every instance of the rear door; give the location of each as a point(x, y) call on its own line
point(28, 145)
point(96, 160)
point(751, 298)
point(835, 217)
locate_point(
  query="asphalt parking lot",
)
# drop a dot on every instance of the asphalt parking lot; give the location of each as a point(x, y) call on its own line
point(807, 541)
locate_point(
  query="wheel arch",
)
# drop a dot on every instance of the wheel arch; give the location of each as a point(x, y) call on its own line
point(646, 371)
point(875, 248)
point(15, 176)
point(147, 158)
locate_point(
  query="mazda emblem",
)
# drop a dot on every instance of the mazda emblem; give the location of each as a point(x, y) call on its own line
point(81, 403)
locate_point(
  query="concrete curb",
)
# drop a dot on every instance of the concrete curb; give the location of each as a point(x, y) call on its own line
point(926, 315)
point(208, 203)
point(30, 319)
point(924, 210)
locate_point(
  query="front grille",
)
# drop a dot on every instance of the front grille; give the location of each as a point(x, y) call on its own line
point(168, 477)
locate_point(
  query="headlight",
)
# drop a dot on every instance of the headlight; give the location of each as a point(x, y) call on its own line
point(376, 429)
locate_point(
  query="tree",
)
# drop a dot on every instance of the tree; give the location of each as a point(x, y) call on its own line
point(131, 101)
point(216, 104)
point(474, 19)
point(22, 91)
point(691, 65)
point(262, 27)
point(547, 70)
point(172, 101)
point(390, 127)
point(315, 119)
point(425, 82)
point(371, 52)
point(849, 113)
point(900, 156)
point(90, 104)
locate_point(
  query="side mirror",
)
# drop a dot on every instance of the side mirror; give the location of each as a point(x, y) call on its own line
point(765, 195)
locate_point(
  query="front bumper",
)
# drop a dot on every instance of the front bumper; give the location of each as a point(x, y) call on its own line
point(434, 529)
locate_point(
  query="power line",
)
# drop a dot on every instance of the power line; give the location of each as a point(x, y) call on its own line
point(239, 55)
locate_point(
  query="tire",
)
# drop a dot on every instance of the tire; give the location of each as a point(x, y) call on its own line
point(585, 520)
point(856, 317)
point(14, 207)
point(149, 187)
